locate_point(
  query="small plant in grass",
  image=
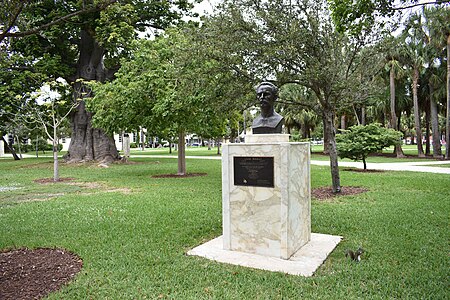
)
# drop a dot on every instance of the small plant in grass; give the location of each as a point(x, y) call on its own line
point(359, 141)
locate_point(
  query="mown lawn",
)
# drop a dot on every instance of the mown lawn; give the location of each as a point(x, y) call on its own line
point(132, 232)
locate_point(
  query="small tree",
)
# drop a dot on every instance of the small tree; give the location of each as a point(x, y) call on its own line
point(49, 108)
point(359, 141)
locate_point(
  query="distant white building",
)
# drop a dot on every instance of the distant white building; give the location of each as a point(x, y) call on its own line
point(135, 138)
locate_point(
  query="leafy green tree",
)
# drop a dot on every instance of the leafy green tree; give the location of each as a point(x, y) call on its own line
point(414, 51)
point(356, 16)
point(81, 40)
point(358, 142)
point(290, 42)
point(166, 86)
point(435, 31)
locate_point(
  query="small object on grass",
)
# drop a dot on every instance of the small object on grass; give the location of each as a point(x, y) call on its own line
point(356, 256)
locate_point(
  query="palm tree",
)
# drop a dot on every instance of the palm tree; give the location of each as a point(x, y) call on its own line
point(435, 30)
point(413, 51)
point(395, 72)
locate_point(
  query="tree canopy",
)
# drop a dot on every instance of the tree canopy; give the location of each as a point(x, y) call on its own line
point(167, 86)
point(357, 16)
point(78, 39)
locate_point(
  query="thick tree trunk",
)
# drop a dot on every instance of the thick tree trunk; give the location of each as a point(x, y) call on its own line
point(88, 143)
point(447, 122)
point(181, 153)
point(330, 133)
point(417, 126)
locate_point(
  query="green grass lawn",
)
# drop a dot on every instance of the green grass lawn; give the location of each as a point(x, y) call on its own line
point(197, 151)
point(315, 149)
point(132, 232)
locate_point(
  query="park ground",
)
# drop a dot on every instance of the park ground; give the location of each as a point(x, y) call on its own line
point(132, 229)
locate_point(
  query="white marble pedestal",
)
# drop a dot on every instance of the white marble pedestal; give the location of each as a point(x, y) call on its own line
point(268, 221)
point(269, 228)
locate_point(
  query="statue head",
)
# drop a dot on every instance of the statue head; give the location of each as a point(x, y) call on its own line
point(268, 121)
point(267, 94)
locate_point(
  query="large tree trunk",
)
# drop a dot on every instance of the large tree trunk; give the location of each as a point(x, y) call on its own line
point(88, 143)
point(330, 133)
point(417, 126)
point(435, 125)
point(447, 123)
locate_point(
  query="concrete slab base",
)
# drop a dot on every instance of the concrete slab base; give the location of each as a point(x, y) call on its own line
point(304, 262)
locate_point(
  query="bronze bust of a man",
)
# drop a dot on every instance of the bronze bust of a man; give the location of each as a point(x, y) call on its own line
point(268, 121)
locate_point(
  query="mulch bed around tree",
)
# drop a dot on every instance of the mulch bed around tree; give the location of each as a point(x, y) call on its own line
point(324, 193)
point(179, 176)
point(50, 180)
point(33, 274)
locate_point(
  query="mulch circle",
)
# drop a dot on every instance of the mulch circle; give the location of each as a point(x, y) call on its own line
point(179, 176)
point(33, 274)
point(326, 192)
point(51, 180)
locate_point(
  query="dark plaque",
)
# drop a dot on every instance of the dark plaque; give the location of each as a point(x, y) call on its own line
point(253, 171)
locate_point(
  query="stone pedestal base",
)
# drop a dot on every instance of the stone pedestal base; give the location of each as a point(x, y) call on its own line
point(269, 221)
point(304, 262)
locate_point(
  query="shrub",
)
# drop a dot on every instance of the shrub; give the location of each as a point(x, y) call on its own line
point(359, 141)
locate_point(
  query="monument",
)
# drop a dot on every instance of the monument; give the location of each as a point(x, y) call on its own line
point(266, 200)
point(266, 187)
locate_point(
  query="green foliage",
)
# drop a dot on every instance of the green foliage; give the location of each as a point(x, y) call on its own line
point(43, 40)
point(355, 16)
point(167, 86)
point(359, 141)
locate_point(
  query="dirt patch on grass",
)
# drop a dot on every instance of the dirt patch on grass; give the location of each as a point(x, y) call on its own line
point(100, 186)
point(326, 193)
point(87, 185)
point(179, 176)
point(51, 180)
point(33, 274)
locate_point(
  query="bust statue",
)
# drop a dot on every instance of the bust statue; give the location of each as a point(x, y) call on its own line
point(268, 121)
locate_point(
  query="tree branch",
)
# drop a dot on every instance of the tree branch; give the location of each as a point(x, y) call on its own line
point(421, 4)
point(12, 21)
point(97, 7)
